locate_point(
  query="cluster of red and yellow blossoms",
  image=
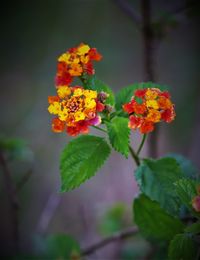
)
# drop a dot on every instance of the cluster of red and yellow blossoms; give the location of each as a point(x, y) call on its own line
point(147, 107)
point(76, 62)
point(76, 109)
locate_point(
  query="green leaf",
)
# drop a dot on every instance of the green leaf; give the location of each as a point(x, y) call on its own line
point(125, 94)
point(119, 134)
point(153, 221)
point(80, 160)
point(193, 229)
point(156, 179)
point(186, 190)
point(96, 84)
point(182, 247)
point(59, 246)
point(188, 168)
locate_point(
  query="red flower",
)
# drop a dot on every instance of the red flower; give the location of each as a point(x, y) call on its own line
point(58, 125)
point(129, 107)
point(80, 127)
point(135, 122)
point(146, 127)
point(61, 68)
point(63, 79)
point(140, 93)
point(100, 107)
point(94, 55)
point(165, 94)
point(52, 99)
point(139, 108)
point(168, 115)
point(89, 68)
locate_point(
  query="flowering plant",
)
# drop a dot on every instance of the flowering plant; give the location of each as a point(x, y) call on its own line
point(167, 210)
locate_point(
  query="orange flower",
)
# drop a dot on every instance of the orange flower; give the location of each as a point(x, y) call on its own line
point(146, 127)
point(75, 70)
point(139, 108)
point(155, 107)
point(75, 62)
point(76, 109)
point(135, 122)
point(58, 125)
point(153, 116)
point(164, 103)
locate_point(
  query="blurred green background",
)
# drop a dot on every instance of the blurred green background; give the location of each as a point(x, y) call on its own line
point(33, 35)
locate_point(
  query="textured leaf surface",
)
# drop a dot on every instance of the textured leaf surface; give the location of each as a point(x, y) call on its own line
point(119, 134)
point(182, 247)
point(98, 85)
point(193, 229)
point(153, 221)
point(186, 190)
point(156, 179)
point(80, 160)
point(188, 168)
point(125, 94)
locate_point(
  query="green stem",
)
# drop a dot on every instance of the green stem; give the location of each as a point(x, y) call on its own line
point(141, 144)
point(101, 129)
point(134, 155)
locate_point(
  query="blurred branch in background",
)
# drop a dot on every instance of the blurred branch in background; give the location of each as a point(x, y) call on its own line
point(131, 231)
point(48, 212)
point(13, 200)
point(130, 11)
point(12, 149)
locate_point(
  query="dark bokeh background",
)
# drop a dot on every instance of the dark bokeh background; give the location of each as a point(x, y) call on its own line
point(33, 35)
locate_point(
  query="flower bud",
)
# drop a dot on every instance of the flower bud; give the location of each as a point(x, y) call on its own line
point(196, 203)
point(102, 96)
point(108, 108)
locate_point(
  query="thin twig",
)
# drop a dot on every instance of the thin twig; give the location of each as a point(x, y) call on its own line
point(99, 128)
point(13, 199)
point(134, 155)
point(141, 144)
point(130, 11)
point(113, 238)
point(182, 9)
point(48, 212)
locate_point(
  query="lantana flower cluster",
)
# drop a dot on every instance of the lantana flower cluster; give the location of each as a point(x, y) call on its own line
point(148, 107)
point(76, 108)
point(76, 62)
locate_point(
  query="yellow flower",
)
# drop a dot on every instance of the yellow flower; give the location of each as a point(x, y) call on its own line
point(64, 57)
point(54, 108)
point(153, 115)
point(79, 116)
point(83, 49)
point(85, 59)
point(63, 91)
point(78, 92)
point(75, 70)
point(152, 104)
point(90, 93)
point(90, 103)
point(68, 58)
point(63, 114)
point(151, 94)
